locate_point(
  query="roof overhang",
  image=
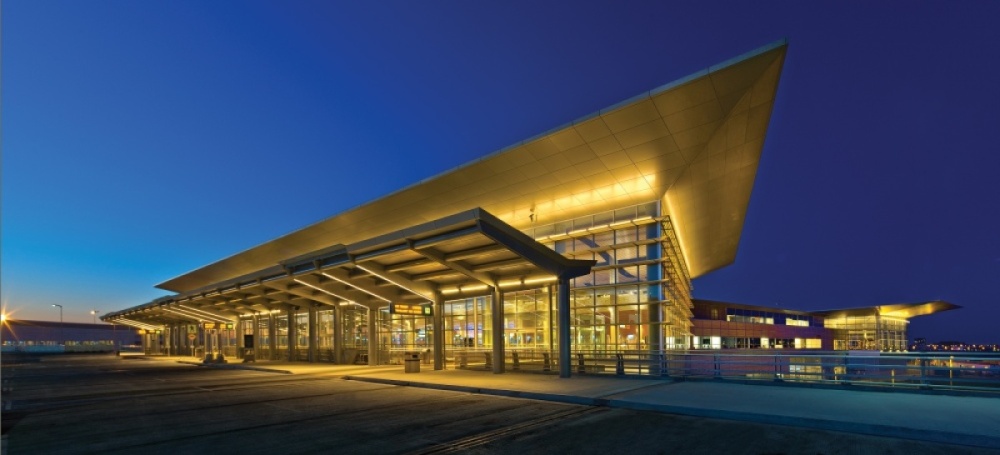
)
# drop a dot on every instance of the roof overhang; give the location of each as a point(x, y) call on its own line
point(692, 144)
point(896, 310)
point(466, 254)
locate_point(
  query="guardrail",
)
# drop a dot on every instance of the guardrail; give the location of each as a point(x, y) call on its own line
point(925, 371)
point(966, 371)
point(947, 371)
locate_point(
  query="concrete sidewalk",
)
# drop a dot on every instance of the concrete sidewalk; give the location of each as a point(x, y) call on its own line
point(964, 420)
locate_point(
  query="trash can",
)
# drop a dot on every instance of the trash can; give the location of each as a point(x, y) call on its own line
point(411, 362)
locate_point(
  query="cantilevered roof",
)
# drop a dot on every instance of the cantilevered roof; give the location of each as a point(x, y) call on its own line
point(693, 144)
point(898, 310)
point(462, 255)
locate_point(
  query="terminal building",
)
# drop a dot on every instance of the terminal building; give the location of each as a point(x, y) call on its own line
point(583, 239)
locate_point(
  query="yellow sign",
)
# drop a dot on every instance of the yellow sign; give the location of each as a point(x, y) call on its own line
point(209, 325)
point(411, 309)
point(192, 328)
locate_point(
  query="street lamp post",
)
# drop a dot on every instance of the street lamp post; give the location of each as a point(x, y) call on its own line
point(94, 313)
point(60, 311)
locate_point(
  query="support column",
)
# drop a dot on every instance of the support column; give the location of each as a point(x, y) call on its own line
point(293, 334)
point(564, 339)
point(552, 320)
point(312, 333)
point(255, 320)
point(240, 342)
point(437, 323)
point(338, 333)
point(372, 336)
point(498, 336)
point(272, 336)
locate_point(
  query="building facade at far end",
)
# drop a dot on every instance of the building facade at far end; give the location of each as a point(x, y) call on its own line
point(48, 337)
point(725, 325)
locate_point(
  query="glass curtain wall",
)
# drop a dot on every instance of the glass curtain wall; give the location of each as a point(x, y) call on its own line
point(467, 323)
point(636, 298)
point(873, 332)
point(410, 333)
point(354, 329)
point(324, 335)
point(281, 323)
point(263, 337)
point(302, 335)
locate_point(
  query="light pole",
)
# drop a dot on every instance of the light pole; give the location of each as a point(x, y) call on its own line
point(60, 311)
point(94, 313)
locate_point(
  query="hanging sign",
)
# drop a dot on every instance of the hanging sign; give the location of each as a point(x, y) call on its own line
point(424, 309)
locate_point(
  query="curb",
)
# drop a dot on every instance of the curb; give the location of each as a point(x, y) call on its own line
point(234, 366)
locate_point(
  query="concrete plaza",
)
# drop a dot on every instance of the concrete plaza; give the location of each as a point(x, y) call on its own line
point(963, 420)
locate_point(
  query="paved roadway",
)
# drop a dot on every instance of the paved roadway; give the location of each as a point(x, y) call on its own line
point(103, 404)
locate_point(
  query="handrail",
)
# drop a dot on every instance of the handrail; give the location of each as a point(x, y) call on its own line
point(966, 372)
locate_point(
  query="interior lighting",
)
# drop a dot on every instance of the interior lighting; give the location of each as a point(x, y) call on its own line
point(351, 285)
point(393, 282)
point(475, 287)
point(540, 280)
point(319, 289)
point(205, 313)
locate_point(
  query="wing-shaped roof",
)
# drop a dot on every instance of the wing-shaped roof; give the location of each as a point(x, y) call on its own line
point(899, 310)
point(694, 143)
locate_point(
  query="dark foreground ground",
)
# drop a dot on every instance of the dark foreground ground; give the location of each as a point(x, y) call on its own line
point(104, 404)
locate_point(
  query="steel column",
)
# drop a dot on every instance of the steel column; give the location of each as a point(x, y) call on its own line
point(338, 333)
point(564, 339)
point(372, 336)
point(293, 334)
point(498, 335)
point(312, 333)
point(438, 325)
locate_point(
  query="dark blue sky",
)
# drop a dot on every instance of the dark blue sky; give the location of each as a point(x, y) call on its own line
point(142, 140)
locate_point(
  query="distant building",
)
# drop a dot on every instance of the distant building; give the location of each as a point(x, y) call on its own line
point(54, 337)
point(723, 325)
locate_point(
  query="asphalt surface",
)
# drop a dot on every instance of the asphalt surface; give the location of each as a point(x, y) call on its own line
point(103, 404)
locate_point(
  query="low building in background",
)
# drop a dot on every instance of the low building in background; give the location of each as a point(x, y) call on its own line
point(42, 337)
point(724, 325)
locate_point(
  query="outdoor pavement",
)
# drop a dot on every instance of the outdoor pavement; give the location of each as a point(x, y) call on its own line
point(965, 420)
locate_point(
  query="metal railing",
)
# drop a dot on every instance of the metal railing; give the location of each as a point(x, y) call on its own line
point(976, 372)
point(903, 370)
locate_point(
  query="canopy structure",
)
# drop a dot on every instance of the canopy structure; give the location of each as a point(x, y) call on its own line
point(467, 254)
point(896, 310)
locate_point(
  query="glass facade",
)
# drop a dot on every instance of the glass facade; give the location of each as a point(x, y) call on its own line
point(636, 298)
point(873, 332)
